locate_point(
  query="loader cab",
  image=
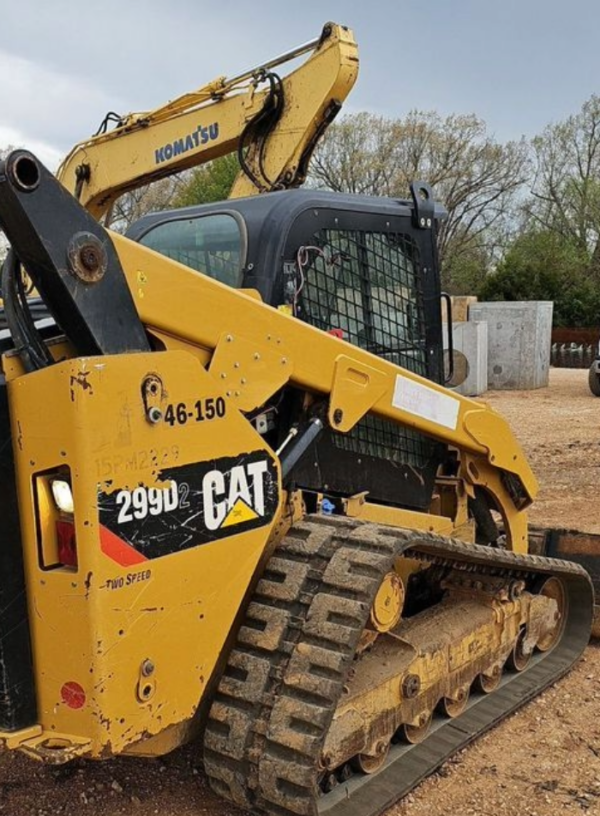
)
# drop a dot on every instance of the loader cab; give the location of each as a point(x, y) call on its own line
point(362, 268)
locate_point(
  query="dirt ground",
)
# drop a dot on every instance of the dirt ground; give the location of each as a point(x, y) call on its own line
point(559, 428)
point(543, 761)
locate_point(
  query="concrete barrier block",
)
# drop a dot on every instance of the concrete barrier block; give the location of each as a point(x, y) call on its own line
point(470, 341)
point(519, 343)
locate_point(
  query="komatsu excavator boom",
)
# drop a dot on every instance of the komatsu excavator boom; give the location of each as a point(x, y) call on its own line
point(273, 123)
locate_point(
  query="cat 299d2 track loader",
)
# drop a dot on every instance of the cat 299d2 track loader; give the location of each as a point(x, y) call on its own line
point(238, 507)
point(260, 525)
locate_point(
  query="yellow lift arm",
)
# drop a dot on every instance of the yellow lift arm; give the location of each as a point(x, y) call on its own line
point(274, 129)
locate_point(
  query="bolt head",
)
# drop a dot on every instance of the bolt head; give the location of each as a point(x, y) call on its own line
point(411, 686)
point(154, 415)
point(87, 256)
point(147, 668)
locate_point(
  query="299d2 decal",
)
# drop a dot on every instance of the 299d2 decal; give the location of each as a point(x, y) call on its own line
point(196, 504)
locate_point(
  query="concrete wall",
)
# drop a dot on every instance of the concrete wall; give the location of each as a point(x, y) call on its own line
point(519, 341)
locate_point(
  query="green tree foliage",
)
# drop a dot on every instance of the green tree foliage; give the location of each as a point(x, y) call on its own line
point(465, 272)
point(542, 265)
point(359, 154)
point(557, 255)
point(211, 182)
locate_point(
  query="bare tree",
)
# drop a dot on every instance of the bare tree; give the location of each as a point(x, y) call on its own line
point(566, 187)
point(151, 198)
point(359, 154)
point(475, 177)
point(209, 182)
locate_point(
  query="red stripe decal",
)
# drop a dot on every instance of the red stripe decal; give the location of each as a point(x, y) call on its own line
point(118, 550)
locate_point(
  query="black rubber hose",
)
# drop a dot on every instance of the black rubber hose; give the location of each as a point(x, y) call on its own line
point(486, 529)
point(28, 343)
point(276, 109)
point(259, 127)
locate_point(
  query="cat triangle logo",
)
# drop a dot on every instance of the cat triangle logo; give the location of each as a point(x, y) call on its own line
point(239, 512)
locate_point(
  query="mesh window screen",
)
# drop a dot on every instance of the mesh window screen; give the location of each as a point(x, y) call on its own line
point(367, 285)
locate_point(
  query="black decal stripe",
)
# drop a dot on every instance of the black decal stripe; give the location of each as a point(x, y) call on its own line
point(185, 526)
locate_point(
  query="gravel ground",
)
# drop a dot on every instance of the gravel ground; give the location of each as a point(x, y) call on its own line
point(543, 761)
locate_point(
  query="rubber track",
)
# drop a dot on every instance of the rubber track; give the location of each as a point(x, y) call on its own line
point(284, 677)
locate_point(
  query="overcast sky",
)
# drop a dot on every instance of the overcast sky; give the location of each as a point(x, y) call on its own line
point(518, 64)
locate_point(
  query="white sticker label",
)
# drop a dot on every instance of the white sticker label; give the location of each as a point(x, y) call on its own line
point(425, 402)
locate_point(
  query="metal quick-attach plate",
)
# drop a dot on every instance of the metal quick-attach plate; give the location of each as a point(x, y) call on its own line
point(581, 548)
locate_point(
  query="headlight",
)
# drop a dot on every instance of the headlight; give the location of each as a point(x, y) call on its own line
point(63, 496)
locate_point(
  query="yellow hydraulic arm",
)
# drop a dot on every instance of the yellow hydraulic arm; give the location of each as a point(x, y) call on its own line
point(274, 129)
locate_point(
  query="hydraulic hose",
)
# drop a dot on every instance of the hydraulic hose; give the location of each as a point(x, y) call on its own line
point(28, 343)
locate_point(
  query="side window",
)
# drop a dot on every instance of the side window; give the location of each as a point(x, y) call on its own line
point(366, 285)
point(212, 244)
